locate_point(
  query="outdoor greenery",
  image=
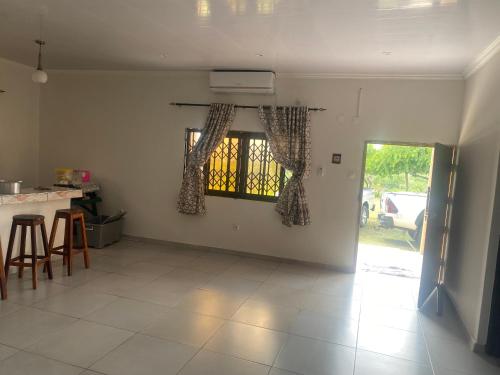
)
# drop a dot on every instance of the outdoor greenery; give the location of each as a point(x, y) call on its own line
point(397, 168)
point(393, 168)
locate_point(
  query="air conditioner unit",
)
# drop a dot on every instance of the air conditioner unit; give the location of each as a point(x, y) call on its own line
point(245, 82)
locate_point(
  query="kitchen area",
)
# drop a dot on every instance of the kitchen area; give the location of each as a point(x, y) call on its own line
point(73, 200)
point(39, 201)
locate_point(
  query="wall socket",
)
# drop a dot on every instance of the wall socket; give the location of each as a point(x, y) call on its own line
point(236, 227)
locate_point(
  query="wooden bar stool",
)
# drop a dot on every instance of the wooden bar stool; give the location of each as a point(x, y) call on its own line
point(25, 221)
point(71, 217)
point(3, 281)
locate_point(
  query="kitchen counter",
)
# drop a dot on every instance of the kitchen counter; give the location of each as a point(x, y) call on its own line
point(32, 195)
point(34, 201)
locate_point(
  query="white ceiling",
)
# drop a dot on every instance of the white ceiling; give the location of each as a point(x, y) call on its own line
point(397, 37)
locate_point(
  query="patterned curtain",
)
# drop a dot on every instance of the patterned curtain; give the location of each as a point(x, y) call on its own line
point(289, 135)
point(192, 196)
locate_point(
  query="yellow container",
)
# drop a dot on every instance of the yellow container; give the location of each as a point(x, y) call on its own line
point(64, 176)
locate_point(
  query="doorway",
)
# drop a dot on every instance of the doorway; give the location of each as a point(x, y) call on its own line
point(396, 180)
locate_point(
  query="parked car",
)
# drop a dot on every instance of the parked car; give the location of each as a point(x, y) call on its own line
point(367, 204)
point(403, 211)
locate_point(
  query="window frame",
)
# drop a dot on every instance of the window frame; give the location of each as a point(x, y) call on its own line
point(244, 138)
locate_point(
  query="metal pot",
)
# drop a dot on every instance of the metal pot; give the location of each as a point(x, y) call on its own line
point(10, 187)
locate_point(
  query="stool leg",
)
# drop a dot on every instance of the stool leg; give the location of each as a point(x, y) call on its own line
point(3, 283)
point(12, 237)
point(85, 247)
point(33, 256)
point(48, 263)
point(69, 249)
point(22, 251)
point(66, 242)
point(53, 233)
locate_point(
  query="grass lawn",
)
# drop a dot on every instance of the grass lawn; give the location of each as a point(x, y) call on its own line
point(374, 234)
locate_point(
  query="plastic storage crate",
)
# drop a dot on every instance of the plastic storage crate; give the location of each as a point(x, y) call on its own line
point(101, 233)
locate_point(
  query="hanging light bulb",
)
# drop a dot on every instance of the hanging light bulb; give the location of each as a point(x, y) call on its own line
point(39, 76)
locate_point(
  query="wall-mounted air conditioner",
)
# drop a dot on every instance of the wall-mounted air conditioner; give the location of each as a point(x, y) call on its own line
point(245, 82)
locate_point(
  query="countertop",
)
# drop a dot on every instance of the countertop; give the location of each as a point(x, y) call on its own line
point(32, 195)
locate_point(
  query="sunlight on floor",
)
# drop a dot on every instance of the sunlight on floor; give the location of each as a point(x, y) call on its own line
point(389, 261)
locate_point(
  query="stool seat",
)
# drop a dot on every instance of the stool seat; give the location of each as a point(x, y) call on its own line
point(25, 222)
point(31, 218)
point(70, 211)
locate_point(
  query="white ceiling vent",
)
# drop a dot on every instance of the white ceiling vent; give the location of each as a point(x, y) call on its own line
point(245, 82)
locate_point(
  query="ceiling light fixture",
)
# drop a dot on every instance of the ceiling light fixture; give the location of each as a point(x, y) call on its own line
point(39, 76)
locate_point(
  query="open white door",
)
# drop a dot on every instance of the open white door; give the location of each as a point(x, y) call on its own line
point(436, 220)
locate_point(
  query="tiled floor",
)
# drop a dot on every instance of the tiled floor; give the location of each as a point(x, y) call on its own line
point(150, 309)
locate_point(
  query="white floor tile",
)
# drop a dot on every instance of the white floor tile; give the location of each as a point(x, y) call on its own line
point(278, 371)
point(266, 315)
point(393, 342)
point(27, 325)
point(78, 278)
point(255, 272)
point(127, 314)
point(6, 352)
point(154, 292)
point(114, 284)
point(20, 291)
point(211, 303)
point(145, 270)
point(145, 355)
point(325, 327)
point(343, 308)
point(183, 279)
point(76, 302)
point(456, 356)
point(280, 295)
point(7, 307)
point(23, 363)
point(80, 344)
point(313, 357)
point(232, 285)
point(446, 326)
point(368, 363)
point(210, 363)
point(391, 317)
point(172, 258)
point(184, 327)
point(292, 280)
point(247, 342)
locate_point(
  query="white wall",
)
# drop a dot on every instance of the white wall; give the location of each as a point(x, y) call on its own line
point(474, 242)
point(18, 123)
point(120, 126)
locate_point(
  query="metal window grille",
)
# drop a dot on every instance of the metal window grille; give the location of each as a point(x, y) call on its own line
point(241, 167)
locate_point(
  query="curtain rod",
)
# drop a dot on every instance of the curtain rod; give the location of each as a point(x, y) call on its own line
point(237, 106)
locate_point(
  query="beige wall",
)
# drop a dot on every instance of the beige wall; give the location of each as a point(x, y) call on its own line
point(474, 244)
point(120, 126)
point(18, 123)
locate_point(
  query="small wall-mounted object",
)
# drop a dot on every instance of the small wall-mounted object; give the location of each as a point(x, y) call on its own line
point(321, 172)
point(336, 158)
point(2, 91)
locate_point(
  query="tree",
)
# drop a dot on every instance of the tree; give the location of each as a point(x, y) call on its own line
point(392, 160)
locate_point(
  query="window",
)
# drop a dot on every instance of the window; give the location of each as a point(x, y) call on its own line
point(241, 167)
